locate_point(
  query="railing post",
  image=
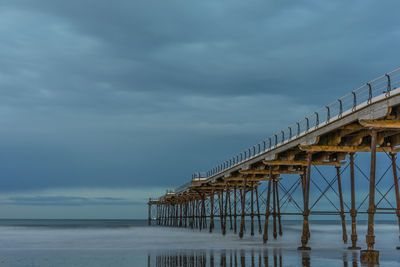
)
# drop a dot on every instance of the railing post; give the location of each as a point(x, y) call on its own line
point(308, 123)
point(328, 114)
point(369, 93)
point(340, 107)
point(316, 119)
point(389, 85)
point(298, 128)
point(354, 101)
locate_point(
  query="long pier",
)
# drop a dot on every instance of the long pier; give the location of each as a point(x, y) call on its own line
point(365, 120)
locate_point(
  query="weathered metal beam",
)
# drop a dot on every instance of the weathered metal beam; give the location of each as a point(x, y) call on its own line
point(347, 149)
point(300, 162)
point(275, 172)
point(381, 124)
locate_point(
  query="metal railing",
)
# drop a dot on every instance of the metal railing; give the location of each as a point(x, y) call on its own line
point(334, 111)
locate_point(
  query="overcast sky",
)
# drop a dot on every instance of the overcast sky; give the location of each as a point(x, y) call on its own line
point(106, 103)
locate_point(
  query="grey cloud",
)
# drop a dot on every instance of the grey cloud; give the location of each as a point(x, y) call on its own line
point(135, 93)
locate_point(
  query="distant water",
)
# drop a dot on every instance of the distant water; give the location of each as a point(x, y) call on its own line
point(133, 243)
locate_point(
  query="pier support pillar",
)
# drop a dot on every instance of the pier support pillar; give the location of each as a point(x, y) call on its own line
point(275, 234)
point(353, 211)
point(252, 210)
point(258, 211)
point(221, 211)
point(212, 210)
point(278, 208)
point(267, 208)
point(234, 210)
point(306, 195)
point(342, 216)
point(396, 188)
point(226, 205)
point(243, 202)
point(149, 219)
point(370, 255)
point(230, 210)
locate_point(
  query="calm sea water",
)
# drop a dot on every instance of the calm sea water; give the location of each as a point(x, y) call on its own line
point(133, 243)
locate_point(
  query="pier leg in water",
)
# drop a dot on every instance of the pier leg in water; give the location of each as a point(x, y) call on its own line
point(353, 211)
point(370, 255)
point(267, 210)
point(149, 220)
point(193, 213)
point(279, 208)
point(221, 210)
point(226, 205)
point(342, 216)
point(274, 207)
point(243, 202)
point(252, 210)
point(212, 210)
point(306, 212)
point(234, 210)
point(230, 210)
point(396, 188)
point(258, 211)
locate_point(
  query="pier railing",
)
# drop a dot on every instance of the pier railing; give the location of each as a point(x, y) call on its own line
point(334, 111)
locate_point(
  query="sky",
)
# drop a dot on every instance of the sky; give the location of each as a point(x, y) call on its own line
point(104, 104)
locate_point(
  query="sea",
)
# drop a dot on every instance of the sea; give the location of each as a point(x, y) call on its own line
point(134, 243)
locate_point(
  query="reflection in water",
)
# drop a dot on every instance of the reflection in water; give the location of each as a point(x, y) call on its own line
point(234, 258)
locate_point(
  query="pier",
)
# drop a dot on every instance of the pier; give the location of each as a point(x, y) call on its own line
point(250, 185)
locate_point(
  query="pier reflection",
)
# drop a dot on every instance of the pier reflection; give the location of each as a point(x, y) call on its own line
point(240, 258)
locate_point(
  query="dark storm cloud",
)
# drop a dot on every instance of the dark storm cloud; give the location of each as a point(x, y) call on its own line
point(128, 93)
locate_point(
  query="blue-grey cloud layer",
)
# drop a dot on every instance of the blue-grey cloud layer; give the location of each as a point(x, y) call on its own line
point(143, 93)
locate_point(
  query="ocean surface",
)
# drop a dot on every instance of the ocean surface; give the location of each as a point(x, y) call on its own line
point(133, 243)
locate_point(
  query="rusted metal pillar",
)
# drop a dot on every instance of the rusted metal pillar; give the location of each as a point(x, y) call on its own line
point(212, 210)
point(396, 188)
point(198, 213)
point(342, 216)
point(243, 202)
point(177, 214)
point(252, 210)
point(193, 213)
point(353, 211)
point(167, 220)
point(180, 214)
point(204, 212)
point(306, 185)
point(221, 211)
point(278, 208)
point(230, 210)
point(258, 211)
point(275, 234)
point(226, 204)
point(234, 210)
point(370, 255)
point(149, 219)
point(201, 213)
point(267, 208)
